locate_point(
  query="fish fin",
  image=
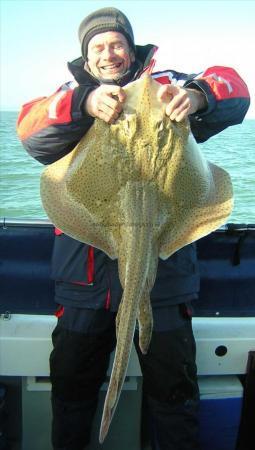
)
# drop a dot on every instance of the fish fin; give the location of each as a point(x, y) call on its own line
point(145, 320)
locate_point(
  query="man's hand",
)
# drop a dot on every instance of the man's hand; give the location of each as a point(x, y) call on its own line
point(106, 102)
point(181, 101)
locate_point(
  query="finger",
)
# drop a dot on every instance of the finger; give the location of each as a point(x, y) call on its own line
point(109, 113)
point(115, 91)
point(120, 94)
point(112, 103)
point(182, 115)
point(165, 93)
point(181, 112)
point(108, 118)
point(176, 103)
point(173, 104)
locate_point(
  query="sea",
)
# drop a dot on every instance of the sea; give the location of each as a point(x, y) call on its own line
point(233, 149)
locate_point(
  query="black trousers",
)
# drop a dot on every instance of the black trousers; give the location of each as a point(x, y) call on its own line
point(82, 343)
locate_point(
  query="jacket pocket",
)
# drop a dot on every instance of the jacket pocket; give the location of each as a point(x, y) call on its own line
point(72, 261)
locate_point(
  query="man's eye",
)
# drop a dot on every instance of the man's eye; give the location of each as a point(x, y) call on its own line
point(118, 46)
point(97, 50)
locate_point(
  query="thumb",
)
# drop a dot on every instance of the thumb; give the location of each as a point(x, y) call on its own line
point(117, 92)
point(121, 95)
point(166, 92)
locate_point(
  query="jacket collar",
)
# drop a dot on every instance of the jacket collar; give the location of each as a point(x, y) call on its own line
point(144, 56)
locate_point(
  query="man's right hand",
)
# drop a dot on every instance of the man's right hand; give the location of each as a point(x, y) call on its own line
point(106, 102)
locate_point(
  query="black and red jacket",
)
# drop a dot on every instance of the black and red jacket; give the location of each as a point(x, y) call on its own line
point(50, 127)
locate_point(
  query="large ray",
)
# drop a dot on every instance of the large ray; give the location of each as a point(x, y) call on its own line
point(139, 189)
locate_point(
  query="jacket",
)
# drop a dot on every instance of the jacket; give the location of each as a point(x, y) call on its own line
point(50, 127)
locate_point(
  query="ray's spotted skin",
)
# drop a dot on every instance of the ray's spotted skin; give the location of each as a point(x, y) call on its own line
point(138, 189)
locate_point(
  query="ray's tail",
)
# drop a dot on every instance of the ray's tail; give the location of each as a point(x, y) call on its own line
point(135, 256)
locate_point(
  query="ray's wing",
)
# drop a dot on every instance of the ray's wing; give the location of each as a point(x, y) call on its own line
point(80, 191)
point(201, 199)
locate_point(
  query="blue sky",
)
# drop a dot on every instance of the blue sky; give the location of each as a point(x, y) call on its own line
point(39, 37)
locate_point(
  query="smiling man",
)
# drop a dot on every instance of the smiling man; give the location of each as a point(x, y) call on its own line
point(87, 287)
point(109, 55)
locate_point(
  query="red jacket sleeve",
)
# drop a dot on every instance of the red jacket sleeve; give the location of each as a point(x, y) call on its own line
point(228, 101)
point(49, 127)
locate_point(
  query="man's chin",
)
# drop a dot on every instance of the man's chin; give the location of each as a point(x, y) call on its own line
point(112, 76)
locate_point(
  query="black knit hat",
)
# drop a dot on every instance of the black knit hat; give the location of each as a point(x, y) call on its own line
point(105, 19)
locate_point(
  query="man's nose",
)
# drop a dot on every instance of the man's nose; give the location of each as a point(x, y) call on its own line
point(108, 52)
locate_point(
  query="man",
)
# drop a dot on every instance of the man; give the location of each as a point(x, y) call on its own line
point(87, 285)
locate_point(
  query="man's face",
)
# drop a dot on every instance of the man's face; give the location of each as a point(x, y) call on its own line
point(109, 55)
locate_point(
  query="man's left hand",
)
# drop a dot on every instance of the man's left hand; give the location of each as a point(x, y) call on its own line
point(181, 102)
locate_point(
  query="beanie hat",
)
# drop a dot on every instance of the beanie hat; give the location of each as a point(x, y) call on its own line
point(100, 21)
